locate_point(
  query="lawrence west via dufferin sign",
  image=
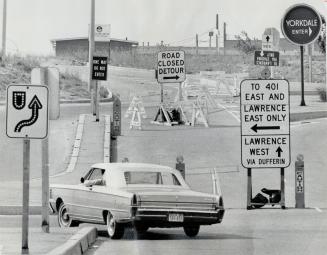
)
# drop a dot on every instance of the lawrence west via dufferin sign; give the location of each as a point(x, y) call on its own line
point(265, 128)
point(301, 24)
point(171, 66)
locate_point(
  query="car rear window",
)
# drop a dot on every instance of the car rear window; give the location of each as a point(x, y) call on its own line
point(154, 178)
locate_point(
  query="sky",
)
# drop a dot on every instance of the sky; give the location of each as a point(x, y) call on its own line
point(31, 24)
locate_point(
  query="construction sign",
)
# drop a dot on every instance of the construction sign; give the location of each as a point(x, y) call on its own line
point(265, 123)
point(171, 67)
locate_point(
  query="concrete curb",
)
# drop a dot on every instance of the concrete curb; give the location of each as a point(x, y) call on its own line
point(78, 244)
point(298, 116)
point(77, 144)
point(17, 210)
point(84, 101)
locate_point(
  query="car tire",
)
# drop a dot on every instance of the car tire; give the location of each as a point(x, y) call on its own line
point(115, 230)
point(64, 220)
point(192, 231)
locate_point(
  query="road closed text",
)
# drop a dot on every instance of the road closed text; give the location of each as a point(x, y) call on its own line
point(171, 66)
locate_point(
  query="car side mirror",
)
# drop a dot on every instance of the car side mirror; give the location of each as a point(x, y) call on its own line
point(82, 179)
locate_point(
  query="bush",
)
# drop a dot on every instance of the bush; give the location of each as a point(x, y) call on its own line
point(322, 94)
point(104, 93)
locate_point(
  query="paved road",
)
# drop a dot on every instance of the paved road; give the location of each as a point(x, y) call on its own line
point(271, 232)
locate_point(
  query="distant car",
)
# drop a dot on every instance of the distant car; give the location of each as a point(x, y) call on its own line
point(135, 195)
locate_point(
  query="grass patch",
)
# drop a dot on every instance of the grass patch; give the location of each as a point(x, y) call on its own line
point(72, 87)
point(322, 94)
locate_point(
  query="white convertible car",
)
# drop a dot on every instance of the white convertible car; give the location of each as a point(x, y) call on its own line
point(139, 195)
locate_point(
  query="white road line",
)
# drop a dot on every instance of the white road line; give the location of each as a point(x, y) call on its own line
point(301, 123)
point(234, 115)
point(318, 209)
point(1, 249)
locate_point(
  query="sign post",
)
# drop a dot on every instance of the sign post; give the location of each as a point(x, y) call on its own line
point(301, 25)
point(299, 182)
point(99, 73)
point(27, 118)
point(265, 127)
point(270, 42)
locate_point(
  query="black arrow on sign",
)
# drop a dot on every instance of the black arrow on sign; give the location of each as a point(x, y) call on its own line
point(176, 77)
point(267, 38)
point(279, 151)
point(256, 127)
point(35, 105)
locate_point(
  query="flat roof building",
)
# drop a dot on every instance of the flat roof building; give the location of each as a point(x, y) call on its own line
point(78, 47)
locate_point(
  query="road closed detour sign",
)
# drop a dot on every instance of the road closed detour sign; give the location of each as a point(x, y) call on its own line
point(171, 66)
point(265, 124)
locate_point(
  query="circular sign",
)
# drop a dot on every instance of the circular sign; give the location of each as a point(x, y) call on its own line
point(99, 29)
point(301, 24)
point(265, 73)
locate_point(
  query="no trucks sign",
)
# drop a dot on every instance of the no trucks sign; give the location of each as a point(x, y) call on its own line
point(265, 123)
point(171, 66)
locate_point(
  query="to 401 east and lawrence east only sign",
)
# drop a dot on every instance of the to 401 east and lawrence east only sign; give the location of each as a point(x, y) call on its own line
point(265, 128)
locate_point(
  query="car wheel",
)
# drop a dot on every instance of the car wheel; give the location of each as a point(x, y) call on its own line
point(191, 231)
point(64, 220)
point(115, 230)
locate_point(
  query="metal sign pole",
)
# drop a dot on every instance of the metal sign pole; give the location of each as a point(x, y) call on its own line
point(96, 101)
point(180, 95)
point(161, 93)
point(4, 27)
point(26, 186)
point(302, 78)
point(45, 185)
point(249, 189)
point(282, 188)
point(91, 51)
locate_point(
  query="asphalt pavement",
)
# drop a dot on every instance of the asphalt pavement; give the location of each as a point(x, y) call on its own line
point(256, 232)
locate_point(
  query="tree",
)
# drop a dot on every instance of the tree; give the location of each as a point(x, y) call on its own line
point(322, 36)
point(245, 44)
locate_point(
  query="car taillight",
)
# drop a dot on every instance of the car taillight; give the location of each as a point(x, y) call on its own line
point(134, 204)
point(220, 204)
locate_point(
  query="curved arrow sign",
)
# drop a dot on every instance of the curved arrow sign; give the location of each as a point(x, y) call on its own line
point(35, 105)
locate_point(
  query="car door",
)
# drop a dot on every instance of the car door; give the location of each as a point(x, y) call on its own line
point(97, 193)
point(84, 200)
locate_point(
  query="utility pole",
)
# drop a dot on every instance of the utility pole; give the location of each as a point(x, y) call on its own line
point(197, 43)
point(4, 29)
point(224, 38)
point(91, 52)
point(217, 30)
point(210, 36)
point(310, 61)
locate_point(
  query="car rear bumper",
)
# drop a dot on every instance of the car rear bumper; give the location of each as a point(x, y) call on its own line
point(160, 218)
